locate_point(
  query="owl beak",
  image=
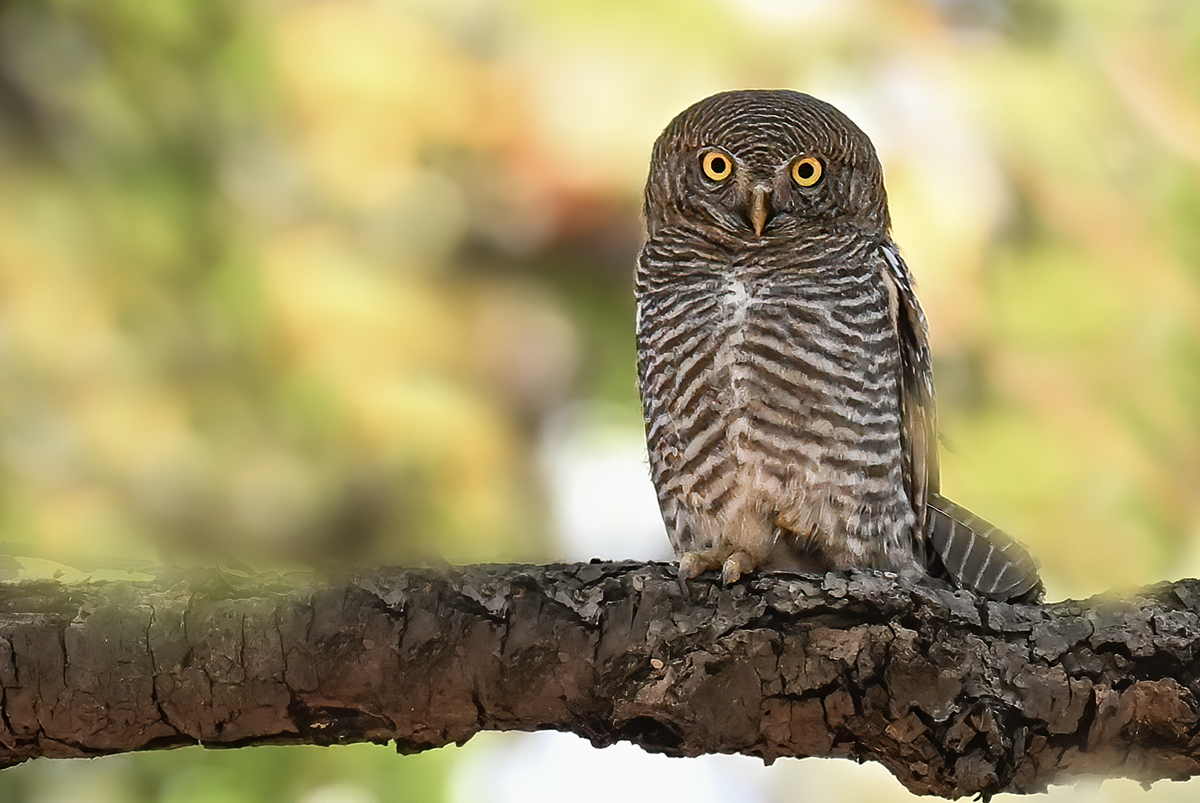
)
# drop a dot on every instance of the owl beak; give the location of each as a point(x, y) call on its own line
point(760, 208)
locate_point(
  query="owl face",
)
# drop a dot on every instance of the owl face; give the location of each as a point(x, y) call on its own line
point(761, 165)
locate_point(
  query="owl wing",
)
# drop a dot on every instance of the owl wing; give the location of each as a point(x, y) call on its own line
point(918, 410)
point(971, 552)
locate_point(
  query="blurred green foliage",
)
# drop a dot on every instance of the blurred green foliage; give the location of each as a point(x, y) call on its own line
point(347, 774)
point(300, 282)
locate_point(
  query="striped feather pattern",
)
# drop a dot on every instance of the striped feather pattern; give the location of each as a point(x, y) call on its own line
point(785, 377)
point(979, 556)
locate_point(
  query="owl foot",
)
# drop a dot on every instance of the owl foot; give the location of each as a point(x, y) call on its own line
point(735, 566)
point(694, 564)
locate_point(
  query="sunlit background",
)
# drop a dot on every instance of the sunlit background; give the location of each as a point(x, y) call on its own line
point(317, 284)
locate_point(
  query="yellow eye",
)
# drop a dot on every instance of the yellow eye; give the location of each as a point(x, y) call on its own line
point(807, 171)
point(717, 166)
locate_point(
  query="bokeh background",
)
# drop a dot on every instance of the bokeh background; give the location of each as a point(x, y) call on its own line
point(315, 284)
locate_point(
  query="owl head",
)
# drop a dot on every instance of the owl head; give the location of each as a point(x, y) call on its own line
point(764, 165)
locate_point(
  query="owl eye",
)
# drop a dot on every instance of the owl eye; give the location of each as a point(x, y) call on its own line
point(717, 166)
point(807, 171)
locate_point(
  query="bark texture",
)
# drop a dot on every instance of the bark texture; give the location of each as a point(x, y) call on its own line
point(955, 695)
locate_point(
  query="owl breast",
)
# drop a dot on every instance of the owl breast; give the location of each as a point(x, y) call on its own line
point(772, 408)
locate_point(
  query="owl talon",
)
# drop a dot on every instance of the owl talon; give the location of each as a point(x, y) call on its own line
point(683, 584)
point(691, 564)
point(736, 565)
point(730, 573)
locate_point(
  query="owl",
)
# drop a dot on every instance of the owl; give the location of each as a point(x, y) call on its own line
point(783, 358)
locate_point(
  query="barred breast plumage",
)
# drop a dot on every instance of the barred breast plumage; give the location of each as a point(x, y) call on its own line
point(782, 357)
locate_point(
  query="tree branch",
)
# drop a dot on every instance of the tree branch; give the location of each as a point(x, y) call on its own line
point(953, 694)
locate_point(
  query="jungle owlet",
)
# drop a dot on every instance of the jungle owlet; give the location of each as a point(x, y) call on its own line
point(783, 361)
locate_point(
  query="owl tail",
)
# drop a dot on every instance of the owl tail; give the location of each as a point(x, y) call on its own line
point(980, 557)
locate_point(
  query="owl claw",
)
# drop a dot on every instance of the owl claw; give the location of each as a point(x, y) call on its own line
point(692, 564)
point(683, 582)
point(735, 566)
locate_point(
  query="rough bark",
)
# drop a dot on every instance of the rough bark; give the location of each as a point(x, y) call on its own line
point(953, 694)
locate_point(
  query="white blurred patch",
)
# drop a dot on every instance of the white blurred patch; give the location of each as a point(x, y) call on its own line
point(593, 456)
point(550, 767)
point(339, 793)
